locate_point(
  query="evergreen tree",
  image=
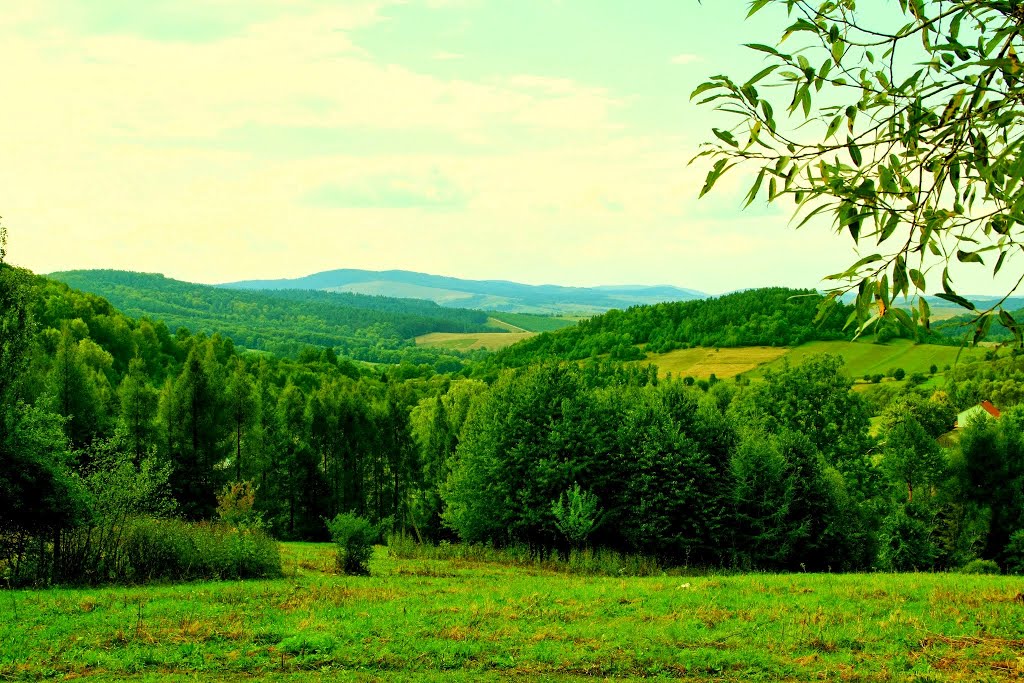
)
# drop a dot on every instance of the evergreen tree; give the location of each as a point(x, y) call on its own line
point(139, 406)
point(195, 431)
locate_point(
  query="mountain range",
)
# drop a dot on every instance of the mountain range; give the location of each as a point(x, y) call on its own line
point(487, 295)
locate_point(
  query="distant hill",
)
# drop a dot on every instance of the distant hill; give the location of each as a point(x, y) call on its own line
point(362, 327)
point(488, 295)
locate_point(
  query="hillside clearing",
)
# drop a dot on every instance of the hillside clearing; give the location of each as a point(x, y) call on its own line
point(470, 341)
point(701, 363)
point(470, 620)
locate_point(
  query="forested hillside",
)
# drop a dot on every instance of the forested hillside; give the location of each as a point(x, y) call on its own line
point(759, 317)
point(364, 327)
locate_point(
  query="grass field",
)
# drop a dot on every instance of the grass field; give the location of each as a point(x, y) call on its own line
point(467, 621)
point(862, 357)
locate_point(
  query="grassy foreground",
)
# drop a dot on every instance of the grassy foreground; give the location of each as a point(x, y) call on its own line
point(452, 620)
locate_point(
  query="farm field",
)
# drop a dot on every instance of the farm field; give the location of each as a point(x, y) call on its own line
point(462, 620)
point(862, 357)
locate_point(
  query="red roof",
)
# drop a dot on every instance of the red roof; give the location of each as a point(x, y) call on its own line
point(990, 409)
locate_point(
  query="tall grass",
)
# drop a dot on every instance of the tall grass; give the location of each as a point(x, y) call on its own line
point(144, 549)
point(587, 561)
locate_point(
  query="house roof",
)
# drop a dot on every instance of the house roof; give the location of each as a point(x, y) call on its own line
point(984, 408)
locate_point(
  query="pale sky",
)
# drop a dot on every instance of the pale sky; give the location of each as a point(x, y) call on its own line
point(543, 141)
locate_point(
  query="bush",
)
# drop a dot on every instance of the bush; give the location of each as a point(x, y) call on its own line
point(355, 537)
point(1014, 553)
point(980, 567)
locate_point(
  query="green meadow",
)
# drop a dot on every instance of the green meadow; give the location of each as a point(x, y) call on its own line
point(862, 358)
point(471, 620)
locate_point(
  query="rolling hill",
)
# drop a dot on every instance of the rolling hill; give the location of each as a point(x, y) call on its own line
point(488, 295)
point(360, 326)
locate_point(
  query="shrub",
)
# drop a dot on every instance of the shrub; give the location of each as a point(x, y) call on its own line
point(916, 379)
point(576, 515)
point(235, 505)
point(1014, 553)
point(355, 537)
point(980, 567)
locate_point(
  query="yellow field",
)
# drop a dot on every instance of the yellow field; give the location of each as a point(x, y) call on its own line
point(492, 341)
point(724, 363)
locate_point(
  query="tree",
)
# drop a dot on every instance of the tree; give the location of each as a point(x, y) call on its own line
point(904, 125)
point(241, 404)
point(814, 399)
point(139, 403)
point(192, 410)
point(72, 392)
point(910, 456)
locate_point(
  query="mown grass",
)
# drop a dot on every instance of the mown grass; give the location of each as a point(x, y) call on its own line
point(466, 620)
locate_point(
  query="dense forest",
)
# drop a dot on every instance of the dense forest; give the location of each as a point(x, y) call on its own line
point(102, 411)
point(371, 328)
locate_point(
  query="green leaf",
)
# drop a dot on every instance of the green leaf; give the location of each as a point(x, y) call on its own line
point(854, 151)
point(904, 320)
point(725, 136)
point(968, 256)
point(763, 48)
point(957, 299)
point(925, 311)
point(890, 226)
point(917, 277)
point(754, 189)
point(761, 74)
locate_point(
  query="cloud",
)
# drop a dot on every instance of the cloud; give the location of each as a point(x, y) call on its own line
point(389, 192)
point(686, 58)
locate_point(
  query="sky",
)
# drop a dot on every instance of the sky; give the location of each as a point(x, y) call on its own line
point(541, 141)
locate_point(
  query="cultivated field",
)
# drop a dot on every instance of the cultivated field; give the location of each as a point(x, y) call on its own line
point(467, 621)
point(862, 357)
